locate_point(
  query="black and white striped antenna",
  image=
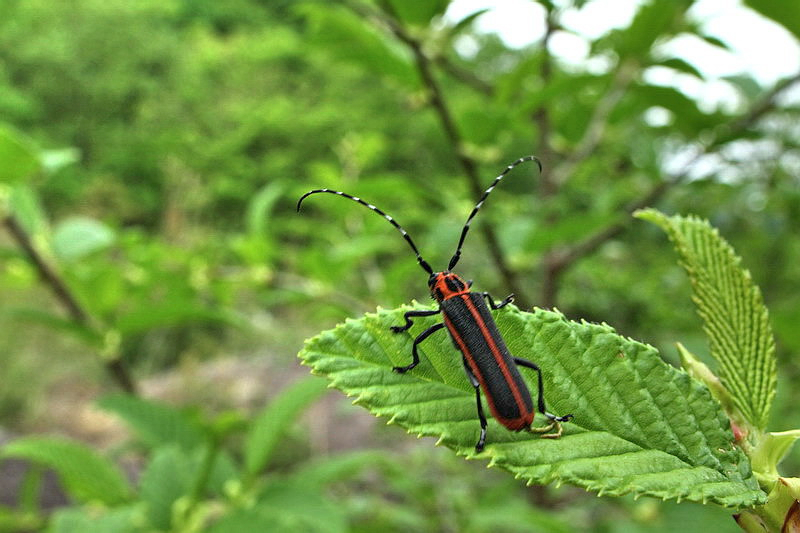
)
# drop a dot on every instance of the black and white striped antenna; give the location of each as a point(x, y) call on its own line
point(486, 193)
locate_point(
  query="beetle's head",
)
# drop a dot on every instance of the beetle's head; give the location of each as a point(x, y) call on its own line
point(444, 285)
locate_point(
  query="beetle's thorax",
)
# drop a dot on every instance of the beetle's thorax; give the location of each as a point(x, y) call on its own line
point(445, 284)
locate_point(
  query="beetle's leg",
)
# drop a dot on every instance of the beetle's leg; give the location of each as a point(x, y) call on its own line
point(421, 337)
point(481, 416)
point(555, 421)
point(508, 299)
point(409, 323)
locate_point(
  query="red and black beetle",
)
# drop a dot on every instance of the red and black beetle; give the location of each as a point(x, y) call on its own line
point(488, 362)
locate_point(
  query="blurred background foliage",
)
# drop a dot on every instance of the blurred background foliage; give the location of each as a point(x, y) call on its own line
point(173, 138)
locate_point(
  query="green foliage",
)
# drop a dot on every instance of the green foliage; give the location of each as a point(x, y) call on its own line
point(265, 432)
point(18, 157)
point(627, 402)
point(155, 424)
point(152, 153)
point(188, 473)
point(87, 476)
point(735, 318)
point(78, 237)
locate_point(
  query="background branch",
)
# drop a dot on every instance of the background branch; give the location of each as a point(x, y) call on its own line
point(559, 260)
point(64, 296)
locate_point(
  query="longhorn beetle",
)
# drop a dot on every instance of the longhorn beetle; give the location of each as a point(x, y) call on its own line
point(487, 361)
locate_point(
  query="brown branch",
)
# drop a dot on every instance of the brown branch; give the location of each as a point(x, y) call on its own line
point(64, 295)
point(565, 257)
point(469, 166)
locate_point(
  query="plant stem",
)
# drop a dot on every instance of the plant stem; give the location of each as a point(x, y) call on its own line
point(64, 295)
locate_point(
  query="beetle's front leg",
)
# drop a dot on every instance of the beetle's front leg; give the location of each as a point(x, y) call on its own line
point(421, 337)
point(409, 323)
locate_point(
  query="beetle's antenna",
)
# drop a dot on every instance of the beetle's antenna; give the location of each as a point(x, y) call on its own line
point(424, 264)
point(486, 193)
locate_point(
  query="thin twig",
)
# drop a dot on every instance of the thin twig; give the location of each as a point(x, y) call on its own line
point(64, 295)
point(598, 122)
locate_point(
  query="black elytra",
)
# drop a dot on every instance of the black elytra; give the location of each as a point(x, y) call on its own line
point(489, 364)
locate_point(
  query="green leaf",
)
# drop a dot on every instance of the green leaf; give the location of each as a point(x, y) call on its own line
point(85, 475)
point(349, 37)
point(689, 117)
point(652, 21)
point(273, 422)
point(77, 237)
point(287, 506)
point(418, 12)
point(330, 469)
point(786, 14)
point(730, 304)
point(640, 426)
point(155, 423)
point(53, 160)
point(681, 65)
point(95, 520)
point(747, 85)
point(167, 477)
point(19, 157)
point(28, 211)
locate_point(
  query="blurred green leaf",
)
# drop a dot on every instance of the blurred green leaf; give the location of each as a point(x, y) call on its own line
point(653, 20)
point(77, 237)
point(167, 477)
point(53, 160)
point(640, 425)
point(688, 116)
point(350, 38)
point(95, 520)
point(19, 157)
point(146, 316)
point(260, 208)
point(271, 424)
point(681, 65)
point(714, 41)
point(85, 475)
point(735, 319)
point(418, 12)
point(286, 506)
point(156, 424)
point(466, 22)
point(330, 469)
point(747, 84)
point(27, 209)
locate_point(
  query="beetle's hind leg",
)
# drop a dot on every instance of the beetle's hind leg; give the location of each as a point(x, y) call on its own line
point(555, 421)
point(475, 383)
